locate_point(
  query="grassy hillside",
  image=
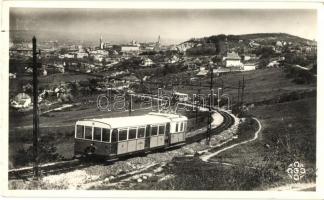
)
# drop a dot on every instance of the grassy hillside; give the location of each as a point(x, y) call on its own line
point(259, 37)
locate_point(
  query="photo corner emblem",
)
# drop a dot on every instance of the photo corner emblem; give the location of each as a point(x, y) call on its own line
point(296, 171)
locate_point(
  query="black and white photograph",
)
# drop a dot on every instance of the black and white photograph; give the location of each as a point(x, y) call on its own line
point(160, 99)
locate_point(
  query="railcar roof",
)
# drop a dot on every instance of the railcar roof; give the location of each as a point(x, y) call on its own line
point(151, 118)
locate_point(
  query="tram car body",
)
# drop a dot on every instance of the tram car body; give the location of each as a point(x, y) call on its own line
point(114, 137)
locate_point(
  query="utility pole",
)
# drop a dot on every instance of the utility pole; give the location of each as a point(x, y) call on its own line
point(238, 92)
point(35, 111)
point(210, 106)
point(243, 85)
point(218, 96)
point(158, 99)
point(197, 104)
point(129, 104)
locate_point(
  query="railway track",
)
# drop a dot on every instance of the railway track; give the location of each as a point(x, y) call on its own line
point(70, 165)
point(227, 122)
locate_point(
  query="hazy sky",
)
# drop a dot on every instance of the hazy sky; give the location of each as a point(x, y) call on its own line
point(173, 25)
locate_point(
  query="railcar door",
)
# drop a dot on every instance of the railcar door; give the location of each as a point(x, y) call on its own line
point(154, 136)
point(174, 136)
point(114, 142)
point(122, 141)
point(132, 140)
point(147, 137)
point(181, 135)
point(140, 139)
point(161, 135)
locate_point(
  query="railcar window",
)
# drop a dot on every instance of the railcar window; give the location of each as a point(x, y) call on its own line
point(97, 133)
point(132, 134)
point(161, 130)
point(88, 132)
point(141, 133)
point(185, 126)
point(122, 135)
point(177, 126)
point(106, 135)
point(154, 130)
point(114, 135)
point(148, 131)
point(80, 131)
point(181, 127)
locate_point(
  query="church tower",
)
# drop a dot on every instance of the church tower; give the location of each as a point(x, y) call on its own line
point(101, 42)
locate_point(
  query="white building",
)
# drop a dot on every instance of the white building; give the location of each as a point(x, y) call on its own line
point(202, 72)
point(274, 63)
point(67, 55)
point(22, 100)
point(81, 55)
point(250, 57)
point(129, 48)
point(98, 57)
point(173, 59)
point(146, 62)
point(249, 66)
point(12, 75)
point(233, 60)
point(60, 67)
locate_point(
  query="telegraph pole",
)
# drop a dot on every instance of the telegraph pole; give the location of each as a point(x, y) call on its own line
point(197, 104)
point(35, 111)
point(238, 92)
point(210, 106)
point(129, 104)
point(158, 99)
point(243, 85)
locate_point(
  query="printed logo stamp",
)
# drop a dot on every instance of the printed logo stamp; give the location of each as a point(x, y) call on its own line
point(296, 171)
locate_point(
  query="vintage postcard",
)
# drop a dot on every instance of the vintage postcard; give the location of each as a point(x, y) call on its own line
point(139, 99)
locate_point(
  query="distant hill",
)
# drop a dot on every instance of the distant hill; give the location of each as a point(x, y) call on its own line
point(215, 44)
point(257, 37)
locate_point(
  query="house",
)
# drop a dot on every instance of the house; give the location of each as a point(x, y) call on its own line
point(221, 70)
point(149, 48)
point(202, 72)
point(249, 57)
point(81, 55)
point(279, 44)
point(232, 60)
point(249, 66)
point(253, 44)
point(21, 100)
point(173, 59)
point(12, 75)
point(129, 48)
point(44, 72)
point(98, 57)
point(60, 67)
point(68, 55)
point(146, 62)
point(274, 63)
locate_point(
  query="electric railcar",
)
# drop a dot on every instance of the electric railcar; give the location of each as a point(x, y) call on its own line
point(114, 137)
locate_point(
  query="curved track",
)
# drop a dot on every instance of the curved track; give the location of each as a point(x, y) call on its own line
point(227, 122)
point(65, 166)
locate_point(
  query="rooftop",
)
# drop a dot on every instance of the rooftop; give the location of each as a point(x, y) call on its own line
point(134, 121)
point(233, 56)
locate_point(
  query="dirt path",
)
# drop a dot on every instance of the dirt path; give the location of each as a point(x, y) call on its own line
point(207, 157)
